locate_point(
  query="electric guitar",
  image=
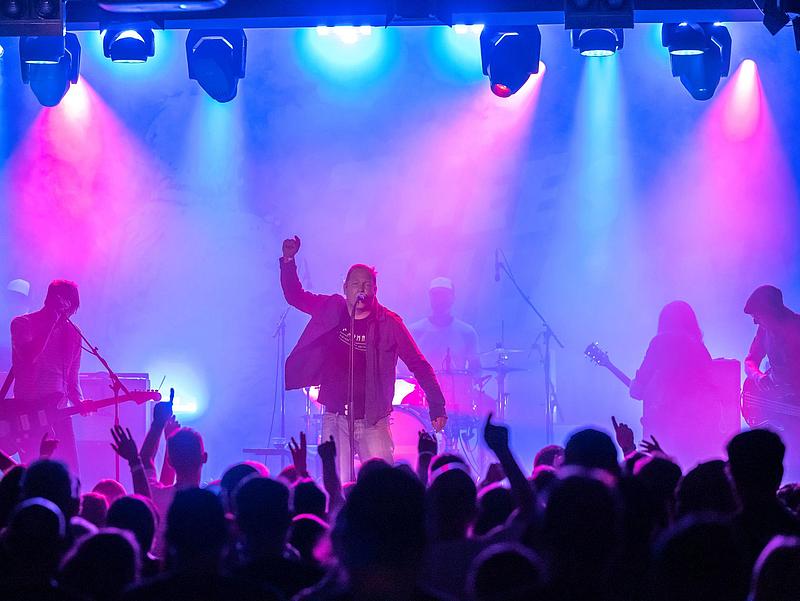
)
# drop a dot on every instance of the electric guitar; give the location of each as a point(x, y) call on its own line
point(22, 421)
point(775, 406)
point(600, 357)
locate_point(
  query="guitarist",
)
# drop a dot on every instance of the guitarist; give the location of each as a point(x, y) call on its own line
point(778, 339)
point(674, 384)
point(46, 358)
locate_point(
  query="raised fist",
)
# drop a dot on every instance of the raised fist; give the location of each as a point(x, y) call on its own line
point(290, 247)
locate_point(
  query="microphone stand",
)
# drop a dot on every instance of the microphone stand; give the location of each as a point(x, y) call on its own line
point(351, 383)
point(280, 335)
point(548, 334)
point(116, 385)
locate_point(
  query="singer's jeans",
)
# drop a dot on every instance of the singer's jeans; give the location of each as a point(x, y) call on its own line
point(371, 440)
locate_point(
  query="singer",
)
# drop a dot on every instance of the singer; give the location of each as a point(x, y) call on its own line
point(322, 354)
point(46, 360)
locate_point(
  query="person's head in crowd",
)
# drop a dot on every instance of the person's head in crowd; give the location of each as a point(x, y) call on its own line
point(261, 506)
point(660, 477)
point(776, 576)
point(101, 566)
point(552, 455)
point(197, 530)
point(289, 474)
point(591, 449)
point(706, 488)
point(755, 461)
point(382, 526)
point(506, 572)
point(789, 495)
point(631, 459)
point(10, 492)
point(234, 475)
point(187, 454)
point(581, 530)
point(543, 478)
point(34, 540)
point(307, 497)
point(371, 465)
point(137, 515)
point(94, 508)
point(678, 317)
point(699, 559)
point(450, 503)
point(443, 459)
point(51, 480)
point(305, 534)
point(110, 489)
point(495, 504)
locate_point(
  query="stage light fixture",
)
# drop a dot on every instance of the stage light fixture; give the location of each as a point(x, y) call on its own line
point(160, 6)
point(216, 61)
point(510, 57)
point(127, 45)
point(13, 9)
point(597, 42)
point(50, 66)
point(700, 55)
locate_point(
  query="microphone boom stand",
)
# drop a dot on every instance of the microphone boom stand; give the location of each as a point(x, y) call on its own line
point(280, 335)
point(549, 334)
point(116, 385)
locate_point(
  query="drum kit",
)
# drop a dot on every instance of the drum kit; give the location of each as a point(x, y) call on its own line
point(466, 401)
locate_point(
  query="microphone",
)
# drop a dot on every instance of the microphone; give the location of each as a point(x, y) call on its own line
point(497, 265)
point(361, 297)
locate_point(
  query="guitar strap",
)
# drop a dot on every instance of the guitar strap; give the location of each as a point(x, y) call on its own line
point(7, 384)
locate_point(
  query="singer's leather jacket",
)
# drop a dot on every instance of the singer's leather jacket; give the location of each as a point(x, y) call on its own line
point(387, 339)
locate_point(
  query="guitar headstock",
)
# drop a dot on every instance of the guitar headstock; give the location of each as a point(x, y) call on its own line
point(597, 354)
point(142, 396)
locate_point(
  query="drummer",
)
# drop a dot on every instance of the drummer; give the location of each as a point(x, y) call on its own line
point(450, 345)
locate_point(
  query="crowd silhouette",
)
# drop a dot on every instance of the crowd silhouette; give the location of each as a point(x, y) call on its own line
point(596, 520)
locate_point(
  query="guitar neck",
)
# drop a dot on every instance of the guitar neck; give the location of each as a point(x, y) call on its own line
point(621, 376)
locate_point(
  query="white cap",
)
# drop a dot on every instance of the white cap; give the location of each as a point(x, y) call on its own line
point(441, 282)
point(22, 287)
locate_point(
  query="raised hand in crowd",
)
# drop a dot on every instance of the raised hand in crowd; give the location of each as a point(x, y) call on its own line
point(162, 412)
point(651, 446)
point(427, 447)
point(167, 476)
point(300, 455)
point(330, 479)
point(624, 436)
point(496, 438)
point(125, 446)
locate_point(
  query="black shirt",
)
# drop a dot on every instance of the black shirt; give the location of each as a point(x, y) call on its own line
point(334, 385)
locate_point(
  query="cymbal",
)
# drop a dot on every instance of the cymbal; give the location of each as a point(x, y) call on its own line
point(503, 369)
point(503, 351)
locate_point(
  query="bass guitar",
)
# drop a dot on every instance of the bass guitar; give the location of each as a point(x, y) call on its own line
point(776, 406)
point(22, 421)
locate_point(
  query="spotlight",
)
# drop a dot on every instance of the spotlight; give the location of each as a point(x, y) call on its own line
point(597, 42)
point(700, 54)
point(129, 45)
point(48, 72)
point(684, 39)
point(46, 9)
point(216, 61)
point(510, 57)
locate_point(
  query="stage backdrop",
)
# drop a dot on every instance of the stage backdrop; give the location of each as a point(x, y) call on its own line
point(608, 188)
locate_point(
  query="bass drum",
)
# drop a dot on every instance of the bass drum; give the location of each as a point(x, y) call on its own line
point(406, 422)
